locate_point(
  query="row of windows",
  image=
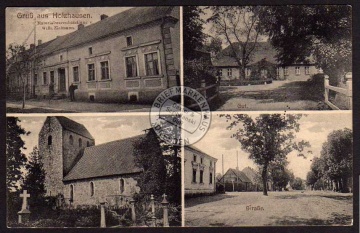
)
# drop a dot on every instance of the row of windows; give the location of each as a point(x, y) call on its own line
point(71, 141)
point(92, 188)
point(201, 159)
point(264, 71)
point(201, 177)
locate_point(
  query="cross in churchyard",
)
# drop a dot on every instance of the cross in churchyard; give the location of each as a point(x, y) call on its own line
point(164, 196)
point(24, 195)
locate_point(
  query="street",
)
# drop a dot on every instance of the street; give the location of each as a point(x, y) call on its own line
point(276, 209)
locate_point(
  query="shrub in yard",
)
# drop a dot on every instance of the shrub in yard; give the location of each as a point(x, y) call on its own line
point(197, 70)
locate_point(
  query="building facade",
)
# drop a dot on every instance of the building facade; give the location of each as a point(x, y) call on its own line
point(199, 172)
point(85, 174)
point(131, 56)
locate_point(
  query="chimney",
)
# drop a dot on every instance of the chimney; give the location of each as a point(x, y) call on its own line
point(32, 46)
point(103, 16)
point(80, 26)
point(39, 42)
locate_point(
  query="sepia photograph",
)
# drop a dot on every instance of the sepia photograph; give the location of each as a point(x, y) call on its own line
point(290, 57)
point(271, 170)
point(90, 59)
point(93, 171)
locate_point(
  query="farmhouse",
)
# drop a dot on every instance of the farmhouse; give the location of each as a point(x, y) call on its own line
point(263, 66)
point(83, 173)
point(131, 56)
point(236, 180)
point(199, 172)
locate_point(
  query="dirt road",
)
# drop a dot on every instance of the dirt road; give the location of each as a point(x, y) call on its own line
point(276, 209)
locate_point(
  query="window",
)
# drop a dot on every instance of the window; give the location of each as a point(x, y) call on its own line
point(35, 79)
point(229, 72)
point(297, 70)
point(152, 64)
point(129, 41)
point(131, 66)
point(104, 70)
point(286, 71)
point(220, 73)
point(194, 158)
point(307, 70)
point(91, 72)
point(201, 177)
point(71, 140)
point(201, 160)
point(263, 73)
point(76, 74)
point(50, 140)
point(71, 192)
point(44, 78)
point(87, 144)
point(210, 178)
point(80, 142)
point(92, 189)
point(90, 51)
point(248, 72)
point(122, 185)
point(61, 57)
point(210, 163)
point(194, 176)
point(52, 77)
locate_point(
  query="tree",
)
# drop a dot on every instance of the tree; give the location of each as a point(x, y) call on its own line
point(267, 138)
point(237, 24)
point(18, 67)
point(311, 179)
point(297, 184)
point(192, 30)
point(15, 158)
point(280, 176)
point(35, 177)
point(215, 45)
point(322, 31)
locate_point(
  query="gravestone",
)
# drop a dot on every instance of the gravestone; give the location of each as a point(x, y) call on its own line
point(24, 213)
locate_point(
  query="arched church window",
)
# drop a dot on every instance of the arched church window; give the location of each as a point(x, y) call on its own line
point(80, 142)
point(122, 185)
point(49, 140)
point(71, 192)
point(71, 140)
point(92, 189)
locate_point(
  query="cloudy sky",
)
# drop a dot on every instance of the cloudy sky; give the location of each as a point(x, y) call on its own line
point(19, 28)
point(103, 129)
point(314, 128)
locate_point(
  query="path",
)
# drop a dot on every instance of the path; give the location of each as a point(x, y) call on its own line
point(280, 208)
point(279, 95)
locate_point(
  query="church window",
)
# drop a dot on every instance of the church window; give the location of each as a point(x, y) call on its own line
point(71, 192)
point(50, 140)
point(201, 177)
point(80, 142)
point(92, 190)
point(194, 176)
point(71, 140)
point(122, 185)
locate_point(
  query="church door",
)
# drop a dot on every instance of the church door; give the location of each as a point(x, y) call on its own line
point(62, 80)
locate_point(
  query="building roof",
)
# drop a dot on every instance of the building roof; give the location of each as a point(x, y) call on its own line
point(193, 148)
point(74, 127)
point(111, 25)
point(108, 159)
point(241, 175)
point(250, 173)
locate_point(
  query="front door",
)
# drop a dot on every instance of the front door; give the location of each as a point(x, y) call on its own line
point(62, 80)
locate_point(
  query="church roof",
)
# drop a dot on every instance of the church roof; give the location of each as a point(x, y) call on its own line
point(240, 175)
point(117, 23)
point(108, 159)
point(74, 127)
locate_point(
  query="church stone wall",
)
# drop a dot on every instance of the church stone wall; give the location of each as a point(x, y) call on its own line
point(52, 155)
point(104, 189)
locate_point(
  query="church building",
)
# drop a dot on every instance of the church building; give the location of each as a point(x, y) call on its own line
point(85, 173)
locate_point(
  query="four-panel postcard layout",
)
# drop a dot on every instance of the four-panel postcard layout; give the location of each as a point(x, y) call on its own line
point(195, 116)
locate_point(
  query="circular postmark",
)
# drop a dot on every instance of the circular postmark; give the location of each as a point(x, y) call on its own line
point(176, 124)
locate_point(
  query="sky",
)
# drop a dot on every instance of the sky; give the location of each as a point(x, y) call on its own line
point(314, 128)
point(19, 25)
point(103, 129)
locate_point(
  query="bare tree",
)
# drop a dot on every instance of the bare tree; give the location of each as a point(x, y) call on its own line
point(237, 24)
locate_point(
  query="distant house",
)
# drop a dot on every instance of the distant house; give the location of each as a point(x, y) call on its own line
point(263, 59)
point(236, 181)
point(131, 56)
point(199, 172)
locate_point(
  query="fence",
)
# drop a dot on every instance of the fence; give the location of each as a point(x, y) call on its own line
point(345, 91)
point(240, 82)
point(209, 92)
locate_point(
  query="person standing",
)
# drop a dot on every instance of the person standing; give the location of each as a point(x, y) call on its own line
point(72, 92)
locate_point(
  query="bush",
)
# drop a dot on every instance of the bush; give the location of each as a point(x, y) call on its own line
point(197, 70)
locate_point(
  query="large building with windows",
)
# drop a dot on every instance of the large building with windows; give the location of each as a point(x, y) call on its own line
point(199, 172)
point(131, 56)
point(84, 173)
